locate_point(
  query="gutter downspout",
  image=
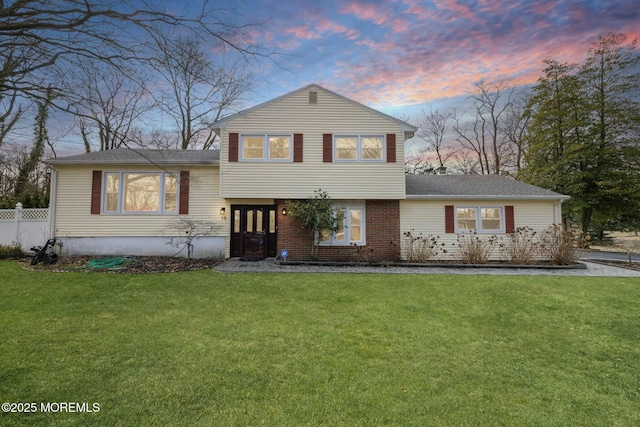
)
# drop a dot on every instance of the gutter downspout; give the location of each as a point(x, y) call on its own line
point(557, 212)
point(52, 202)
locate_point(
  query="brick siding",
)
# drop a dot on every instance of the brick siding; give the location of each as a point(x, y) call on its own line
point(382, 232)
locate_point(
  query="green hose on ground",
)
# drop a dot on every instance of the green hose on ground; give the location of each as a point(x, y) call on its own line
point(110, 262)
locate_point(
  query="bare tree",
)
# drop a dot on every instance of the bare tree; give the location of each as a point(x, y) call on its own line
point(198, 90)
point(482, 130)
point(38, 35)
point(434, 129)
point(107, 105)
point(465, 163)
point(416, 159)
point(516, 123)
point(10, 108)
point(188, 230)
point(156, 138)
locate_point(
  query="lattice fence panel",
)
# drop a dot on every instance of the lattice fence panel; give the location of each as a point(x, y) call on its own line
point(7, 215)
point(35, 214)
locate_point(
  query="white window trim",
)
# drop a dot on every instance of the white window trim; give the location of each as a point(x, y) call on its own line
point(161, 200)
point(347, 232)
point(479, 229)
point(359, 148)
point(265, 147)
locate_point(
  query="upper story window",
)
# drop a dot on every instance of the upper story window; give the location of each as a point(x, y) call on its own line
point(140, 192)
point(480, 219)
point(266, 147)
point(359, 148)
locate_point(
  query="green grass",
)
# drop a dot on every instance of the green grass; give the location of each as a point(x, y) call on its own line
point(204, 348)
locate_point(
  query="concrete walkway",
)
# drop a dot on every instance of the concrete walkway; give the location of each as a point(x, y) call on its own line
point(234, 265)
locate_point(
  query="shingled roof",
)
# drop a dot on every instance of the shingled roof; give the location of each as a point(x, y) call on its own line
point(476, 187)
point(129, 156)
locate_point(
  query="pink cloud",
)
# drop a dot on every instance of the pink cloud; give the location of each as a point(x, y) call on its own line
point(454, 8)
point(379, 14)
point(326, 26)
point(321, 28)
point(302, 32)
point(543, 8)
point(366, 12)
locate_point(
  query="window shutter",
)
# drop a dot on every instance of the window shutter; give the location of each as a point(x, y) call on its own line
point(96, 192)
point(233, 147)
point(509, 220)
point(449, 219)
point(184, 192)
point(297, 147)
point(391, 148)
point(327, 147)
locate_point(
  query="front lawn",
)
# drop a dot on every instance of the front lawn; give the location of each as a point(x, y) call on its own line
point(206, 348)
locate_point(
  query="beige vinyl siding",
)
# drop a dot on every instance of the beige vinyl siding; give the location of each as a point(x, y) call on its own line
point(294, 114)
point(427, 217)
point(73, 217)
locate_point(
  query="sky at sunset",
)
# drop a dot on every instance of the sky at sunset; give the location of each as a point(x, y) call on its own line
point(398, 56)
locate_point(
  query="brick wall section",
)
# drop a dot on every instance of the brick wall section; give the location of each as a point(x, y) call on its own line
point(382, 234)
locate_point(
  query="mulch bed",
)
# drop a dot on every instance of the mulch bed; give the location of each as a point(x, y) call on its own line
point(132, 264)
point(156, 264)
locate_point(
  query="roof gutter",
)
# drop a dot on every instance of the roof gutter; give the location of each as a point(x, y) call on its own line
point(141, 162)
point(559, 197)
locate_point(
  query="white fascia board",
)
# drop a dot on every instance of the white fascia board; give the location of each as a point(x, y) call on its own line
point(218, 126)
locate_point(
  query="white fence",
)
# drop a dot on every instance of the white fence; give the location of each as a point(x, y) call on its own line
point(29, 227)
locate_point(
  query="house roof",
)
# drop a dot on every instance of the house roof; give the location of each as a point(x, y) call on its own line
point(222, 122)
point(474, 187)
point(130, 156)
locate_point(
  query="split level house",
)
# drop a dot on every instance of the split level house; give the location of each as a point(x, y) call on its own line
point(131, 201)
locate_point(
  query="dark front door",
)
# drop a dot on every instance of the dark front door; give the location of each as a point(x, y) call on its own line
point(253, 231)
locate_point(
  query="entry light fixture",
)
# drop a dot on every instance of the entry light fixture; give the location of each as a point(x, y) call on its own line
point(223, 213)
point(284, 211)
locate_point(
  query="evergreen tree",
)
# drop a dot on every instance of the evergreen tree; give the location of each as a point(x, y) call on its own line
point(583, 133)
point(611, 79)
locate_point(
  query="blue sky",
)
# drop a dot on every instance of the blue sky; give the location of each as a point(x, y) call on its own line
point(399, 56)
point(403, 56)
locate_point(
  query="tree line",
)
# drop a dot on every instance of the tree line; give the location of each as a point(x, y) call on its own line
point(576, 131)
